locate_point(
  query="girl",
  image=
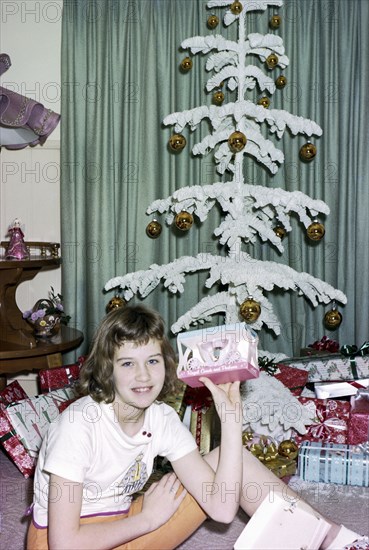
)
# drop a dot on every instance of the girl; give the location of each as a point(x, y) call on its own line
point(101, 450)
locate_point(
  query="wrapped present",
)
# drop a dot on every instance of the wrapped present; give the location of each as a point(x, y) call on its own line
point(293, 379)
point(351, 363)
point(8, 438)
point(334, 463)
point(226, 353)
point(330, 390)
point(280, 458)
point(202, 417)
point(359, 418)
point(330, 423)
point(60, 377)
point(30, 418)
point(177, 401)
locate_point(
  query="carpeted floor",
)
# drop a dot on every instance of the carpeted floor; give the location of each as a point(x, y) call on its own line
point(341, 503)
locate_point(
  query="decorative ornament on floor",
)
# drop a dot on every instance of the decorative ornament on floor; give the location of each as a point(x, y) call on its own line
point(115, 303)
point(250, 310)
point(272, 61)
point(17, 249)
point(333, 318)
point(47, 315)
point(281, 82)
point(237, 141)
point(315, 231)
point(308, 152)
point(184, 220)
point(154, 229)
point(177, 143)
point(213, 21)
point(275, 21)
point(186, 64)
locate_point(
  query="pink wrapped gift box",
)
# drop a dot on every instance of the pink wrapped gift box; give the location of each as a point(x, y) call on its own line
point(293, 379)
point(60, 377)
point(225, 353)
point(330, 423)
point(359, 418)
point(8, 438)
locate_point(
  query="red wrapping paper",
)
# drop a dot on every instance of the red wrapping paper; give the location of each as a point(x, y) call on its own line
point(60, 377)
point(331, 421)
point(359, 418)
point(294, 379)
point(9, 440)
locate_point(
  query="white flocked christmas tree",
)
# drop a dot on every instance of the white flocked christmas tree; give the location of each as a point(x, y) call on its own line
point(250, 212)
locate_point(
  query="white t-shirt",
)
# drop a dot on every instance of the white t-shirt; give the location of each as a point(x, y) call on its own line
point(86, 445)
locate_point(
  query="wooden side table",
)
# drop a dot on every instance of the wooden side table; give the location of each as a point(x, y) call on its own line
point(19, 349)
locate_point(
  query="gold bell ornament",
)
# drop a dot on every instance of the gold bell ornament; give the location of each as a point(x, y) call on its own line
point(315, 231)
point(308, 151)
point(280, 82)
point(153, 229)
point(280, 231)
point(275, 21)
point(186, 64)
point(288, 448)
point(218, 97)
point(333, 318)
point(237, 141)
point(250, 310)
point(177, 142)
point(272, 61)
point(213, 21)
point(264, 102)
point(115, 303)
point(236, 8)
point(184, 220)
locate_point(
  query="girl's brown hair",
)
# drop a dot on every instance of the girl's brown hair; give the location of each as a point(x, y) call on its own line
point(137, 324)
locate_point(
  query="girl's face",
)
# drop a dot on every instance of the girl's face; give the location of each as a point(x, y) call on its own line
point(138, 375)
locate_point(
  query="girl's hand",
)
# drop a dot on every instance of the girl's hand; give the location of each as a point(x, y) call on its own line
point(227, 399)
point(161, 501)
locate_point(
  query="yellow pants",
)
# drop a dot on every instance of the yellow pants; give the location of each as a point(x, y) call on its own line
point(180, 526)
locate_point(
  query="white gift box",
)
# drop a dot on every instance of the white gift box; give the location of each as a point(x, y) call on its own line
point(224, 353)
point(283, 524)
point(330, 390)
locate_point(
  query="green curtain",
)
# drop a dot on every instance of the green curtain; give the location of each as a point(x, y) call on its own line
point(121, 77)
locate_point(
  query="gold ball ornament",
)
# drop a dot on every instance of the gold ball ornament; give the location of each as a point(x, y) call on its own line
point(280, 231)
point(275, 21)
point(308, 151)
point(281, 82)
point(250, 310)
point(236, 8)
point(153, 229)
point(177, 142)
point(213, 21)
point(264, 102)
point(315, 231)
point(332, 319)
point(288, 449)
point(115, 303)
point(218, 97)
point(186, 64)
point(272, 61)
point(184, 220)
point(237, 141)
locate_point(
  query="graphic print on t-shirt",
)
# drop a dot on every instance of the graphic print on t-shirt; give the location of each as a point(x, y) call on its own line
point(135, 478)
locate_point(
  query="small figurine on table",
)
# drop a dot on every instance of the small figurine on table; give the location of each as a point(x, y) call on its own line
point(17, 249)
